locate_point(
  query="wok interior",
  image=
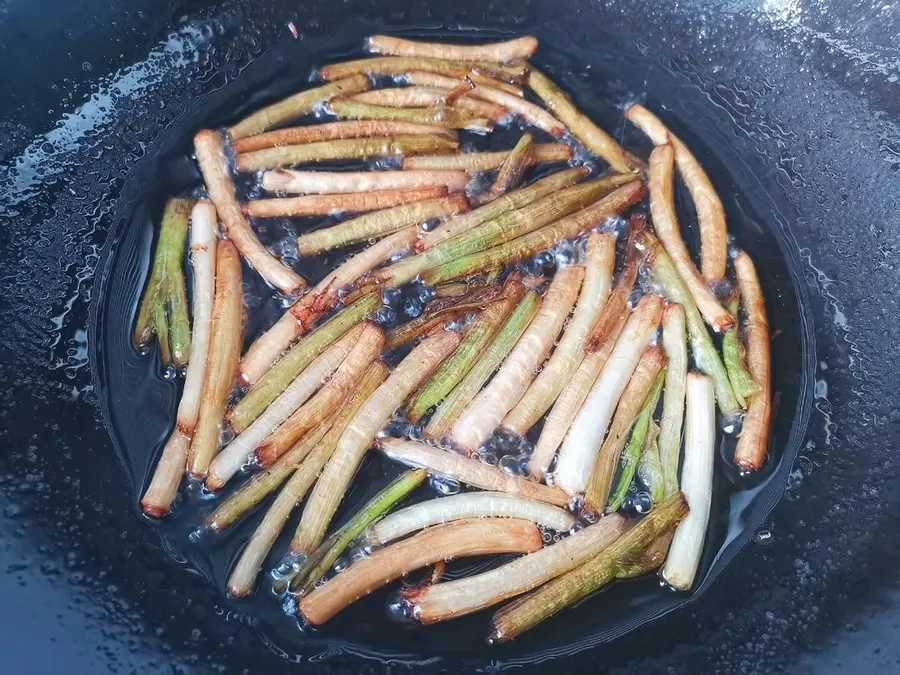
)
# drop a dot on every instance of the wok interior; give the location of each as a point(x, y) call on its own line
point(601, 79)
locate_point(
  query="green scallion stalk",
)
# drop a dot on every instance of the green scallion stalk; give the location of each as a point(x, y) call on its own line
point(505, 228)
point(398, 65)
point(517, 162)
point(439, 311)
point(297, 358)
point(632, 453)
point(559, 103)
point(450, 117)
point(735, 360)
point(526, 613)
point(650, 469)
point(453, 405)
point(341, 148)
point(540, 240)
point(296, 106)
point(320, 561)
point(478, 336)
point(515, 199)
point(378, 224)
point(706, 356)
point(674, 342)
point(164, 308)
point(265, 482)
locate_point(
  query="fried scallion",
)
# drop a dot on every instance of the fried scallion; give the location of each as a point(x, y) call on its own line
point(163, 309)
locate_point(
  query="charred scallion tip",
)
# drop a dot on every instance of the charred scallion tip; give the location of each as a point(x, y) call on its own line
point(632, 454)
point(735, 360)
point(446, 116)
point(438, 572)
point(455, 402)
point(524, 614)
point(704, 351)
point(345, 148)
point(320, 561)
point(457, 93)
point(163, 310)
point(514, 167)
point(424, 325)
point(478, 336)
point(540, 239)
point(297, 358)
point(485, 81)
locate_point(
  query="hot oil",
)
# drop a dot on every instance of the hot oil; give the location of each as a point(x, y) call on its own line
point(142, 402)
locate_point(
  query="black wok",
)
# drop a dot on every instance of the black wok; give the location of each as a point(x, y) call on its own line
point(793, 108)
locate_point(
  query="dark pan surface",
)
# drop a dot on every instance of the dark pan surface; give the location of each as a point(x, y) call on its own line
point(826, 178)
point(139, 404)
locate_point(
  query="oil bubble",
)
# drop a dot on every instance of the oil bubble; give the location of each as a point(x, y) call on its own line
point(443, 486)
point(399, 609)
point(489, 457)
point(763, 537)
point(509, 464)
point(642, 502)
